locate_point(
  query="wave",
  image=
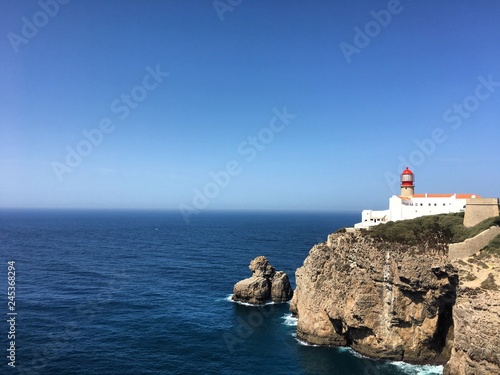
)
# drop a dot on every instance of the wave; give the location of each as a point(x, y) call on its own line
point(305, 343)
point(290, 320)
point(406, 367)
point(418, 369)
point(230, 299)
point(302, 342)
point(352, 352)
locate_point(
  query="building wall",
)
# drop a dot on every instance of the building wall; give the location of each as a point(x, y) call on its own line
point(472, 245)
point(417, 207)
point(478, 210)
point(370, 218)
point(403, 209)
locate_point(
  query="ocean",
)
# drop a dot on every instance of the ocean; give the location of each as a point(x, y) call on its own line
point(142, 292)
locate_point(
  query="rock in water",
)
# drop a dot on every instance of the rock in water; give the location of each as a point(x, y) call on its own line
point(254, 290)
point(281, 291)
point(260, 267)
point(265, 284)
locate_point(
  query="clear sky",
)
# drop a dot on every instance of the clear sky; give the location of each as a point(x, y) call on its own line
point(299, 105)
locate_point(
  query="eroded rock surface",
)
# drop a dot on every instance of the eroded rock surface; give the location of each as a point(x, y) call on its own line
point(476, 344)
point(266, 284)
point(385, 300)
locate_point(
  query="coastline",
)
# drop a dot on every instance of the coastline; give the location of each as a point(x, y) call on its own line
point(387, 301)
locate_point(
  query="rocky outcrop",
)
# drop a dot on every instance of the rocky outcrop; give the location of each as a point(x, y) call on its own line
point(385, 300)
point(476, 314)
point(266, 284)
point(281, 290)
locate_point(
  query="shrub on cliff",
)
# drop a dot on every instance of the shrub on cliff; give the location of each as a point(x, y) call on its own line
point(430, 230)
point(494, 247)
point(483, 225)
point(425, 230)
point(489, 283)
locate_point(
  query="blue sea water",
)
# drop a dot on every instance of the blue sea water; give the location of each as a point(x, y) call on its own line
point(124, 292)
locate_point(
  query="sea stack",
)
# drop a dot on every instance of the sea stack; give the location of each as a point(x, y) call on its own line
point(266, 284)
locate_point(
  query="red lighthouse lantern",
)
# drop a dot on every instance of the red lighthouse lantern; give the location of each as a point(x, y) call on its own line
point(407, 183)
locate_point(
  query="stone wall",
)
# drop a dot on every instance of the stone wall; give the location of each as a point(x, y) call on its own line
point(472, 245)
point(479, 209)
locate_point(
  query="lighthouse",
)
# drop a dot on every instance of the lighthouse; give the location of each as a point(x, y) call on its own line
point(409, 205)
point(407, 183)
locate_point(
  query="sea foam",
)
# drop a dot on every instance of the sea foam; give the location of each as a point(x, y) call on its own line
point(351, 351)
point(418, 370)
point(408, 368)
point(305, 343)
point(230, 299)
point(289, 320)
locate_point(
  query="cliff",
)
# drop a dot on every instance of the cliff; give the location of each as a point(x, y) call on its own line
point(383, 299)
point(476, 346)
point(389, 300)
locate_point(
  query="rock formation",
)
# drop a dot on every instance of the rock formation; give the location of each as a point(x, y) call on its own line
point(281, 291)
point(265, 285)
point(476, 315)
point(385, 300)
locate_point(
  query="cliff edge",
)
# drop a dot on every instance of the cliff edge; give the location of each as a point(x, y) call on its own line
point(385, 300)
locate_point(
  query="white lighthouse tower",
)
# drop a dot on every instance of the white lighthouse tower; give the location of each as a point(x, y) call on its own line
point(407, 183)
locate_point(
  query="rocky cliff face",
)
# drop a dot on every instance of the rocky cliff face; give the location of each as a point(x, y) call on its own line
point(476, 315)
point(384, 300)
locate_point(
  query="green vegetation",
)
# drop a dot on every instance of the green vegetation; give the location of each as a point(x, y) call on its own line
point(482, 226)
point(489, 283)
point(469, 277)
point(493, 248)
point(461, 262)
point(431, 230)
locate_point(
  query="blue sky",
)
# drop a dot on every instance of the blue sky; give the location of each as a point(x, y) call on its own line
point(288, 105)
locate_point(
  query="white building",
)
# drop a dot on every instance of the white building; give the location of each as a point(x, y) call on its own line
point(409, 205)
